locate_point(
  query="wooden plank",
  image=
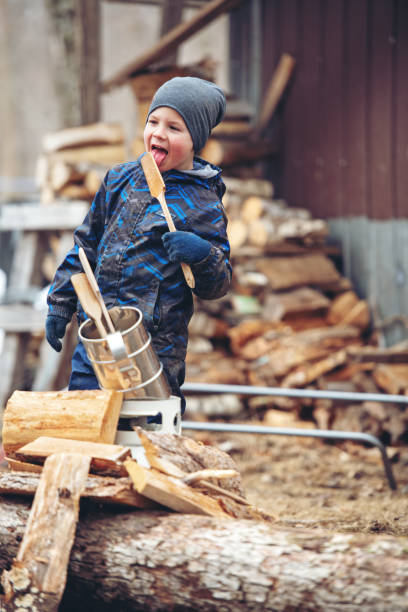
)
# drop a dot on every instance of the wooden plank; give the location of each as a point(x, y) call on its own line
point(101, 133)
point(104, 457)
point(20, 318)
point(99, 489)
point(171, 41)
point(39, 571)
point(32, 217)
point(80, 415)
point(171, 492)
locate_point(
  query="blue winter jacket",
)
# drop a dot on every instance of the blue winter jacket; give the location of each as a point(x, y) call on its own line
point(121, 236)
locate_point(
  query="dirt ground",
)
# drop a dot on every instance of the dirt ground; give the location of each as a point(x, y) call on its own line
point(315, 484)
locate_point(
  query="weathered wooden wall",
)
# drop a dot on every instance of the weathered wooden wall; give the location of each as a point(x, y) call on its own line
point(344, 131)
point(345, 121)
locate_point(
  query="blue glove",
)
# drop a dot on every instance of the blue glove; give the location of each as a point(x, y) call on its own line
point(185, 247)
point(55, 329)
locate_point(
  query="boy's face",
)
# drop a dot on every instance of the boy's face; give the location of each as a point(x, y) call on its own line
point(166, 136)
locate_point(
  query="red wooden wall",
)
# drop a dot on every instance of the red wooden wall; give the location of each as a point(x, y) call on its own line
point(344, 119)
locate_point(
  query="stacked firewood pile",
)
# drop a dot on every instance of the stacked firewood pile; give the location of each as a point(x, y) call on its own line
point(292, 320)
point(54, 442)
point(74, 160)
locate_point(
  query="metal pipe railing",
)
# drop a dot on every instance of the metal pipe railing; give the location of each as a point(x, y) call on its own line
point(326, 434)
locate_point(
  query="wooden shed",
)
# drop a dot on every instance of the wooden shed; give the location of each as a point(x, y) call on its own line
point(342, 128)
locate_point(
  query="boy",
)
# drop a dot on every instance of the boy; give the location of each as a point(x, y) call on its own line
point(136, 260)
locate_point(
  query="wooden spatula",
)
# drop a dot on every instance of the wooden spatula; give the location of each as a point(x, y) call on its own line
point(157, 188)
point(94, 286)
point(88, 301)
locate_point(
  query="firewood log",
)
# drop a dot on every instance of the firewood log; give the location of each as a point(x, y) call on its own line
point(249, 187)
point(341, 306)
point(162, 561)
point(38, 574)
point(237, 233)
point(62, 173)
point(255, 207)
point(81, 415)
point(392, 377)
point(229, 153)
point(84, 135)
point(288, 272)
point(287, 303)
point(104, 155)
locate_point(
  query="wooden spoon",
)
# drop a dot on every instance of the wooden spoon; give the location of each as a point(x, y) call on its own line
point(157, 187)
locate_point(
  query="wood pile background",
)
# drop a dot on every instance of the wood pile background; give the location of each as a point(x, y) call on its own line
point(292, 320)
point(75, 160)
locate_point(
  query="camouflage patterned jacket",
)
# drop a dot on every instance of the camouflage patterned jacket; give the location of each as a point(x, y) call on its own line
point(121, 236)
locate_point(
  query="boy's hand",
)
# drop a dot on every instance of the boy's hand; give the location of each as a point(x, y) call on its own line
point(185, 247)
point(55, 329)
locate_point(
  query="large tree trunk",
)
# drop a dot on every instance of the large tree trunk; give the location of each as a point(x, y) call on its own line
point(162, 561)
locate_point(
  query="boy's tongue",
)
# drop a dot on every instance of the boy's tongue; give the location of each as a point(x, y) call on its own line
point(159, 155)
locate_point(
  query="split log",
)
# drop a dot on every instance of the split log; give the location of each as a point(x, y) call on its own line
point(278, 306)
point(106, 459)
point(341, 306)
point(398, 353)
point(61, 173)
point(206, 326)
point(84, 135)
point(98, 489)
point(188, 456)
point(237, 233)
point(171, 492)
point(242, 333)
point(392, 377)
point(230, 153)
point(80, 415)
point(249, 187)
point(160, 561)
point(309, 373)
point(103, 155)
point(289, 272)
point(254, 207)
point(37, 577)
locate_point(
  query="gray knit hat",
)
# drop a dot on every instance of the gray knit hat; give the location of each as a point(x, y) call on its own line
point(200, 103)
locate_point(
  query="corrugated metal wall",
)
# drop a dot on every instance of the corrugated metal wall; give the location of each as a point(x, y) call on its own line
point(345, 117)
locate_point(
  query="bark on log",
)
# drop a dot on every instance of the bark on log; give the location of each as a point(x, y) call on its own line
point(161, 561)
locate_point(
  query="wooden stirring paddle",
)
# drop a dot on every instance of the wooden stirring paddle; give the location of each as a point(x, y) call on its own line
point(157, 187)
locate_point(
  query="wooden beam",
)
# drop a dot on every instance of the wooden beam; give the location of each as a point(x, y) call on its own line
point(171, 41)
point(171, 492)
point(106, 459)
point(39, 572)
point(89, 59)
point(36, 218)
